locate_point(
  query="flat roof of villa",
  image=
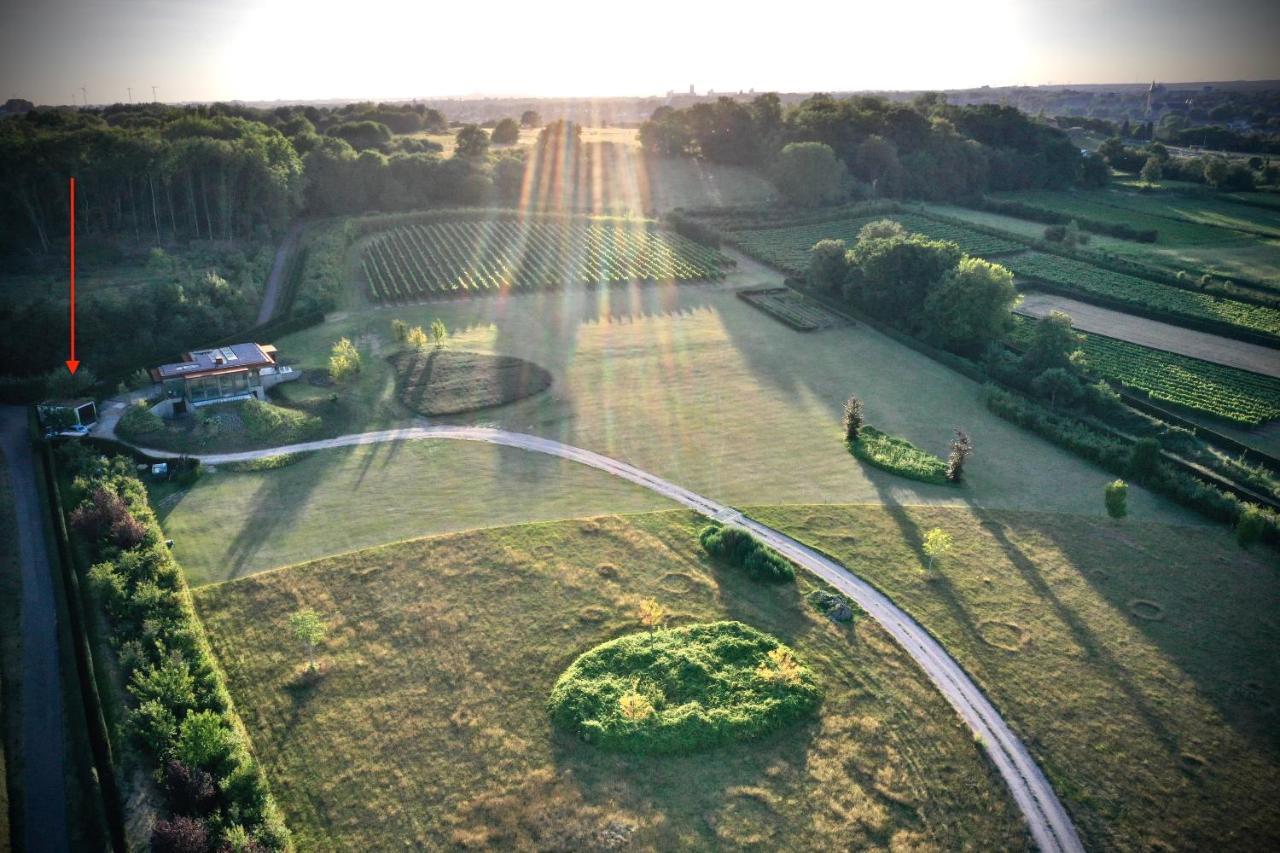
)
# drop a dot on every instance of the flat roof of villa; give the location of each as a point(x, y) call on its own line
point(206, 362)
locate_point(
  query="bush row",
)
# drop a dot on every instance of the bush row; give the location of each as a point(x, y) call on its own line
point(181, 712)
point(898, 456)
point(1053, 217)
point(1139, 461)
point(739, 548)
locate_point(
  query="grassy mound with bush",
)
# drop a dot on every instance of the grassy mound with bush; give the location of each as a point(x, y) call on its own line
point(739, 548)
point(445, 382)
point(683, 689)
point(225, 427)
point(898, 456)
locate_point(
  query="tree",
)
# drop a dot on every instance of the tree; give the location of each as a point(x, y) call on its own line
point(651, 615)
point(852, 418)
point(877, 163)
point(1116, 498)
point(892, 277)
point(881, 229)
point(936, 544)
point(1053, 344)
point(399, 330)
point(1151, 170)
point(1057, 383)
point(961, 449)
point(530, 118)
point(1215, 170)
point(344, 360)
point(417, 338)
point(471, 141)
point(204, 741)
point(970, 309)
point(439, 331)
point(808, 174)
point(309, 629)
point(505, 132)
point(634, 705)
point(828, 268)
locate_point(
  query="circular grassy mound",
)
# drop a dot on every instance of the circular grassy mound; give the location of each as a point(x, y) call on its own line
point(448, 382)
point(683, 689)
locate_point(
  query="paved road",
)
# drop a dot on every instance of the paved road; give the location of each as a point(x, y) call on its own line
point(1046, 817)
point(44, 795)
point(271, 293)
point(1153, 333)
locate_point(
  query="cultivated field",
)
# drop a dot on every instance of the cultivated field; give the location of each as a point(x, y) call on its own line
point(1197, 231)
point(429, 726)
point(1135, 660)
point(1153, 333)
point(468, 257)
point(1248, 399)
point(690, 383)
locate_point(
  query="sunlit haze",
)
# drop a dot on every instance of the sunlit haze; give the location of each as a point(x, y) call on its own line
point(286, 49)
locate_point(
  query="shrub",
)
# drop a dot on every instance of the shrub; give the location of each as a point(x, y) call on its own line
point(685, 689)
point(344, 360)
point(739, 548)
point(138, 419)
point(205, 742)
point(937, 542)
point(180, 834)
point(1250, 527)
point(1116, 497)
point(190, 789)
point(898, 456)
point(399, 331)
point(1144, 457)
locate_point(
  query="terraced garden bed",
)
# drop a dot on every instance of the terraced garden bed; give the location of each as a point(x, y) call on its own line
point(792, 308)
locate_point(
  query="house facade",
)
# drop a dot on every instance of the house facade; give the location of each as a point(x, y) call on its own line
point(220, 375)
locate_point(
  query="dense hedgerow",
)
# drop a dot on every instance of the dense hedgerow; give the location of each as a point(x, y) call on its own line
point(739, 548)
point(1117, 455)
point(683, 689)
point(898, 456)
point(181, 711)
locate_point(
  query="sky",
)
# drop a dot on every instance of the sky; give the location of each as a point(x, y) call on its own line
point(263, 50)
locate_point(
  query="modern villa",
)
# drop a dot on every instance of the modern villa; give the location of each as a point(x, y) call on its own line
point(220, 375)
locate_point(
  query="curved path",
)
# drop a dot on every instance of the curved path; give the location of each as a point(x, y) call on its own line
point(1050, 826)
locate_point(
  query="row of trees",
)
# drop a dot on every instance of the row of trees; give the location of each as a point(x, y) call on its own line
point(928, 288)
point(925, 149)
point(1154, 162)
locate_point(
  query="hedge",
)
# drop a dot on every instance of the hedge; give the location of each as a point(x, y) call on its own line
point(181, 709)
point(739, 548)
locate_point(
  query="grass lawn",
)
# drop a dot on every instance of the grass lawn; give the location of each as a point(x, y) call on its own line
point(688, 382)
point(1137, 660)
point(430, 729)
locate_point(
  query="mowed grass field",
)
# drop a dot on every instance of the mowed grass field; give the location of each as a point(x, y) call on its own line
point(688, 382)
point(429, 728)
point(1136, 660)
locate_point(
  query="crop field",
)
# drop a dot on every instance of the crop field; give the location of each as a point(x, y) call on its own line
point(429, 727)
point(1136, 660)
point(491, 256)
point(1225, 392)
point(1197, 232)
point(1086, 279)
point(787, 247)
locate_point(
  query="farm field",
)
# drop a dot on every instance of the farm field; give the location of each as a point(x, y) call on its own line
point(690, 383)
point(466, 257)
point(429, 726)
point(1154, 334)
point(1225, 392)
point(1088, 280)
point(788, 246)
point(1135, 659)
point(1196, 232)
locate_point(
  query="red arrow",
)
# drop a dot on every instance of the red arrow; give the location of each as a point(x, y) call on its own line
point(72, 364)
